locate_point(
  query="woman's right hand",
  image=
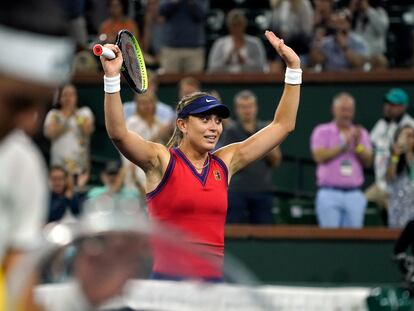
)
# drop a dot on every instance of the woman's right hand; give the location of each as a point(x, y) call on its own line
point(112, 67)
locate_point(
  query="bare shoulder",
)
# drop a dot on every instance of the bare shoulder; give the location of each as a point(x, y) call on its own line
point(226, 154)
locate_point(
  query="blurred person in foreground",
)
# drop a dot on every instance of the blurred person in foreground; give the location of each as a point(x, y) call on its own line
point(28, 81)
point(394, 116)
point(341, 150)
point(186, 183)
point(250, 202)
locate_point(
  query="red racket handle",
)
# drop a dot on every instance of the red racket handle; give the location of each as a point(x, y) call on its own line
point(100, 50)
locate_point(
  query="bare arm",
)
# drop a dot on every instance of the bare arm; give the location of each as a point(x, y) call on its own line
point(238, 155)
point(143, 153)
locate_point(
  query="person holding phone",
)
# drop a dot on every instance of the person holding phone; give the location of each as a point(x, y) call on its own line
point(400, 177)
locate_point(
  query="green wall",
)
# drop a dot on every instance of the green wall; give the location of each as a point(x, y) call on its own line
point(317, 261)
point(296, 174)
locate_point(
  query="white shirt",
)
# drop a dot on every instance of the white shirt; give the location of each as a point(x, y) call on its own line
point(71, 148)
point(23, 193)
point(382, 137)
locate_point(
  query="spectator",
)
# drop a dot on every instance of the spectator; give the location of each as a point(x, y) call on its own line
point(292, 20)
point(112, 178)
point(153, 35)
point(188, 85)
point(69, 128)
point(237, 52)
point(66, 194)
point(382, 136)
point(341, 150)
point(322, 17)
point(164, 113)
point(26, 86)
point(371, 23)
point(400, 175)
point(184, 35)
point(343, 50)
point(322, 22)
point(118, 19)
point(144, 122)
point(250, 202)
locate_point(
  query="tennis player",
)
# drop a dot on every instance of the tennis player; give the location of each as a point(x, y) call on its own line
point(187, 183)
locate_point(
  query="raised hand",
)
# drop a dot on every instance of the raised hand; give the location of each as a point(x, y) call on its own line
point(112, 67)
point(289, 56)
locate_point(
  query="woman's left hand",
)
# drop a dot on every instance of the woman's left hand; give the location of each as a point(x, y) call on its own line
point(289, 56)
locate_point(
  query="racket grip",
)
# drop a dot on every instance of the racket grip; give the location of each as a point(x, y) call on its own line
point(100, 50)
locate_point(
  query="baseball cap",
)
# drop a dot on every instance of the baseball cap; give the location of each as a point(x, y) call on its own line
point(112, 167)
point(396, 96)
point(205, 104)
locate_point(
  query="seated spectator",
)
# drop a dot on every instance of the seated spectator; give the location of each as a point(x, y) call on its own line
point(184, 35)
point(371, 23)
point(341, 150)
point(322, 25)
point(292, 20)
point(322, 17)
point(112, 178)
point(250, 202)
point(66, 194)
point(118, 19)
point(237, 52)
point(145, 122)
point(400, 175)
point(343, 50)
point(69, 128)
point(382, 136)
point(164, 113)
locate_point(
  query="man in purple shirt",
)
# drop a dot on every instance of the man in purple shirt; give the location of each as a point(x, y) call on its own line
point(341, 149)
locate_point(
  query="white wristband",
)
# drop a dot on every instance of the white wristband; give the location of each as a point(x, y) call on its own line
point(112, 84)
point(293, 76)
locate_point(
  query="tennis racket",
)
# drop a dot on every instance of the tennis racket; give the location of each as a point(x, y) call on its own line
point(133, 69)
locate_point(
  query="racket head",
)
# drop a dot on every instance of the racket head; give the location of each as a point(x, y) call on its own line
point(133, 68)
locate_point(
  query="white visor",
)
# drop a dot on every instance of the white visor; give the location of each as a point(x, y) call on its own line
point(37, 58)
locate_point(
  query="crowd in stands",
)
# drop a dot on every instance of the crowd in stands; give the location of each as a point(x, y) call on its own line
point(205, 35)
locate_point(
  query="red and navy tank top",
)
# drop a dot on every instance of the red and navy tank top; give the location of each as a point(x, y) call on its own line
point(195, 204)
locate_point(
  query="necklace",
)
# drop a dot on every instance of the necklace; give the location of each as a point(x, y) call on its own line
point(204, 166)
point(192, 163)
